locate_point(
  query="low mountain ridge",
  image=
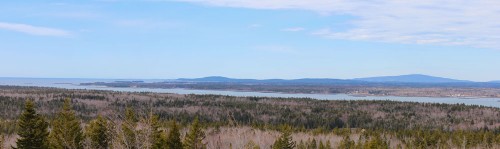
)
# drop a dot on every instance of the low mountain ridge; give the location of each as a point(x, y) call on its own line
point(412, 78)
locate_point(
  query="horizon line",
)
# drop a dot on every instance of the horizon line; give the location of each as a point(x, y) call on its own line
point(236, 78)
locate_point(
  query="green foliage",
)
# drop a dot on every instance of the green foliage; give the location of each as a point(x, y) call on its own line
point(251, 145)
point(8, 126)
point(98, 133)
point(328, 144)
point(158, 137)
point(194, 139)
point(285, 140)
point(347, 143)
point(301, 145)
point(376, 142)
point(32, 131)
point(312, 144)
point(128, 129)
point(66, 132)
point(406, 124)
point(321, 145)
point(174, 137)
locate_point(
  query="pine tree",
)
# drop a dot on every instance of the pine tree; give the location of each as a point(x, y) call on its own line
point(128, 129)
point(328, 144)
point(302, 145)
point(174, 137)
point(158, 137)
point(321, 145)
point(312, 144)
point(376, 142)
point(251, 145)
point(285, 140)
point(33, 133)
point(346, 143)
point(98, 133)
point(66, 131)
point(194, 140)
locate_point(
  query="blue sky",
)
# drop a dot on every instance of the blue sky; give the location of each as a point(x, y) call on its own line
point(155, 39)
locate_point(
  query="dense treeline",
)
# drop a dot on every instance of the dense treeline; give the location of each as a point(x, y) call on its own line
point(100, 119)
point(100, 133)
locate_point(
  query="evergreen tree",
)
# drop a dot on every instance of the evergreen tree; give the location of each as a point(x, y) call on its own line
point(312, 144)
point(376, 142)
point(32, 130)
point(66, 132)
point(321, 145)
point(158, 137)
point(98, 133)
point(194, 139)
point(285, 140)
point(346, 143)
point(128, 129)
point(328, 144)
point(174, 137)
point(251, 145)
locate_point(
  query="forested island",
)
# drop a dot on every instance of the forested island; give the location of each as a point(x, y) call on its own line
point(357, 88)
point(64, 118)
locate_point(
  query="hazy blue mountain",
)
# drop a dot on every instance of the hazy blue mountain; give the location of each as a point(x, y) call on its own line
point(412, 78)
point(494, 82)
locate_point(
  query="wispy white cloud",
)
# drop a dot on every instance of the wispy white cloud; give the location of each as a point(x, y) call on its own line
point(293, 29)
point(255, 25)
point(438, 22)
point(34, 30)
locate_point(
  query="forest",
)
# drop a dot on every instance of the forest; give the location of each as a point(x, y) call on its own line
point(64, 118)
point(485, 90)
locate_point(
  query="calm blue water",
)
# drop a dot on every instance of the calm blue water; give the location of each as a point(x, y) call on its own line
point(74, 84)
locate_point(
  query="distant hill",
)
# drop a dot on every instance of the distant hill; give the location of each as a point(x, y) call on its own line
point(294, 81)
point(494, 82)
point(412, 78)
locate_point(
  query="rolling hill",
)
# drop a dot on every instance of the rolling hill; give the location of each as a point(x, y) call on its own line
point(412, 78)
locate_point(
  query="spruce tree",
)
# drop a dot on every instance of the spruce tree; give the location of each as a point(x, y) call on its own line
point(328, 144)
point(32, 130)
point(346, 143)
point(251, 145)
point(376, 142)
point(302, 145)
point(174, 137)
point(128, 129)
point(194, 139)
point(158, 137)
point(98, 133)
point(285, 140)
point(312, 144)
point(321, 145)
point(66, 132)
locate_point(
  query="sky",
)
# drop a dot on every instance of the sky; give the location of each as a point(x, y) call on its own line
point(261, 39)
